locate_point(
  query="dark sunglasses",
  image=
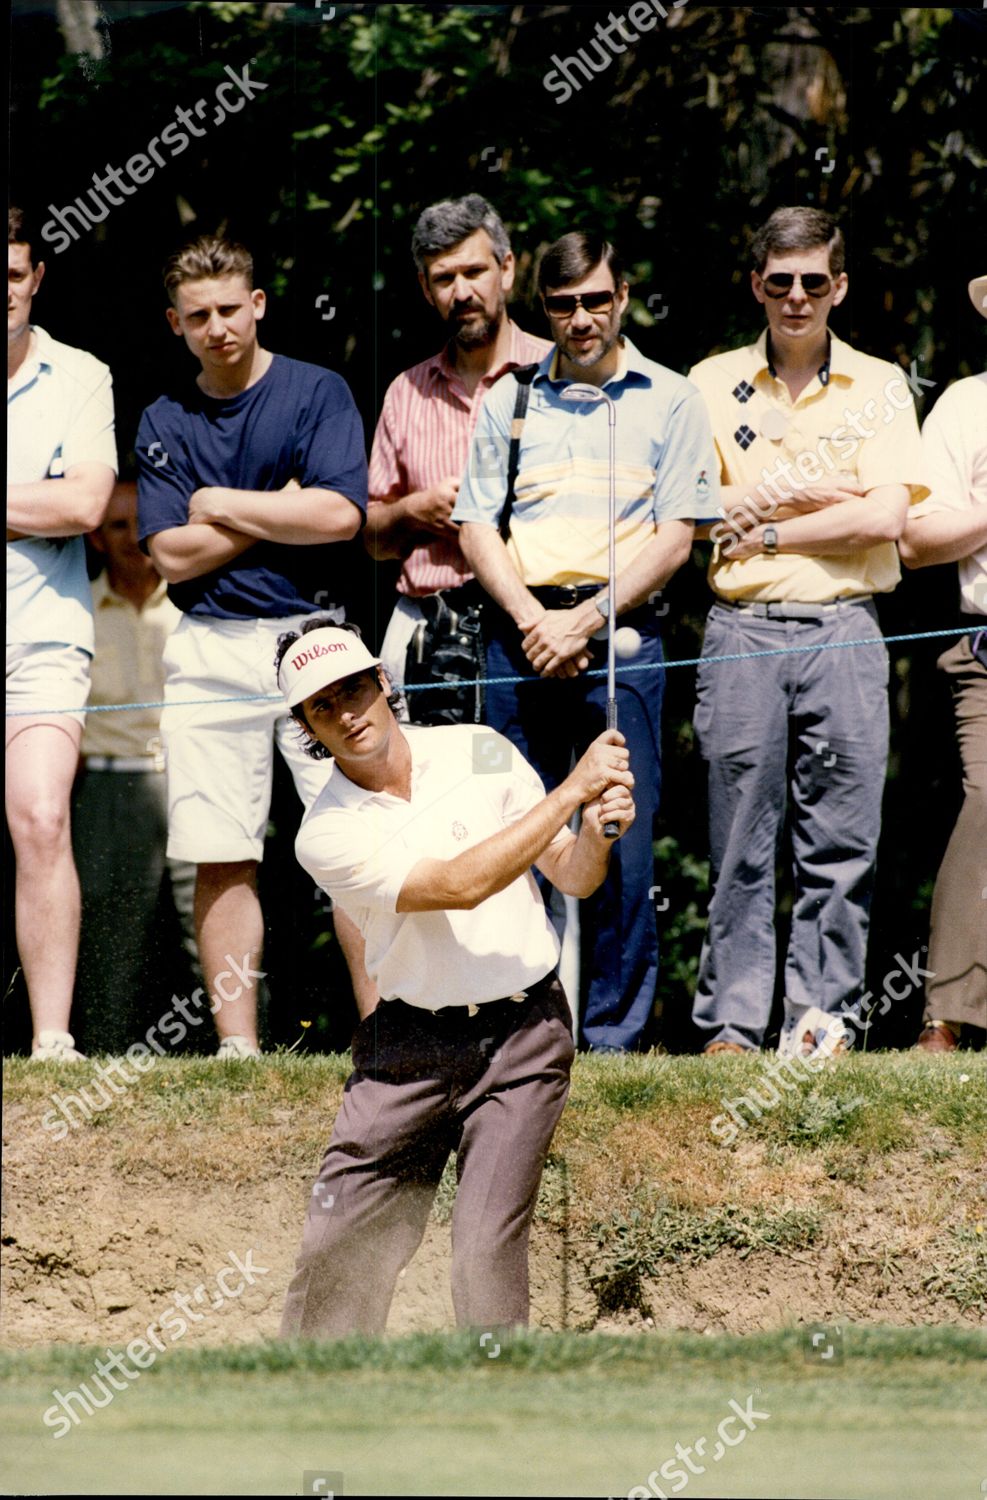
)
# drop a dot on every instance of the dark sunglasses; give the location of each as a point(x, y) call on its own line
point(564, 304)
point(814, 283)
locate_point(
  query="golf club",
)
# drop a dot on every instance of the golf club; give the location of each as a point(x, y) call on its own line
point(593, 393)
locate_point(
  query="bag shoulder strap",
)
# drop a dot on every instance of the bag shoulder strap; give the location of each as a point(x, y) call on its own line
point(524, 376)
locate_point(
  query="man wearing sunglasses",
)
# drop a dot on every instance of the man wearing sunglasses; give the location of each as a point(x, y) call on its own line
point(550, 582)
point(819, 458)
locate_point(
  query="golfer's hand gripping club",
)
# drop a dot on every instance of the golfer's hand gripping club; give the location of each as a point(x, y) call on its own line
point(605, 764)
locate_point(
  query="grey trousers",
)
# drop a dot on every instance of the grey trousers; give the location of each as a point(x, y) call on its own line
point(958, 942)
point(490, 1087)
point(810, 730)
point(137, 938)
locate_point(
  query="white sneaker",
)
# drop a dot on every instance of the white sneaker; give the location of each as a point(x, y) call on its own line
point(56, 1046)
point(812, 1032)
point(236, 1047)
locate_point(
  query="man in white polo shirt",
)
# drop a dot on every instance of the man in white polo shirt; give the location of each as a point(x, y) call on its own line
point(425, 837)
point(61, 464)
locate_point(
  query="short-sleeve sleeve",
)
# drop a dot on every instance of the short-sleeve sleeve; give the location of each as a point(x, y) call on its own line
point(89, 438)
point(688, 468)
point(891, 452)
point(483, 490)
point(330, 454)
point(388, 476)
point(948, 463)
point(165, 483)
point(352, 861)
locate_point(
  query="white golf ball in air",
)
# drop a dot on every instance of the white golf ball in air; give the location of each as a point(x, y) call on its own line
point(626, 642)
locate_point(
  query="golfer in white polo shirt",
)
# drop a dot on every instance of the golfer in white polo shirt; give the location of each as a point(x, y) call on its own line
point(426, 838)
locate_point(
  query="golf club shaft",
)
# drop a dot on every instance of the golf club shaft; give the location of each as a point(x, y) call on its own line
point(611, 830)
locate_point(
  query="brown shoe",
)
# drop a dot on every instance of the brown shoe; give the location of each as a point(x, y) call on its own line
point(725, 1047)
point(937, 1036)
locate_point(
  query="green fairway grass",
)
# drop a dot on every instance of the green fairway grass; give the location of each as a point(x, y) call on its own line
point(895, 1413)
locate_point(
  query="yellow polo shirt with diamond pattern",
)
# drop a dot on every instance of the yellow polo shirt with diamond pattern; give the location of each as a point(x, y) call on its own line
point(856, 416)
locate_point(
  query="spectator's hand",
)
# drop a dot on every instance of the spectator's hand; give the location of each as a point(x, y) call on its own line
point(573, 667)
point(201, 506)
point(605, 764)
point(556, 640)
point(432, 508)
point(615, 805)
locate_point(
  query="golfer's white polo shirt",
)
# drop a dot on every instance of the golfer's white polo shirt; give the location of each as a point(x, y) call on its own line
point(59, 414)
point(467, 783)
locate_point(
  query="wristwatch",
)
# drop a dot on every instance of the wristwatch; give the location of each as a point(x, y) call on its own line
point(769, 540)
point(602, 605)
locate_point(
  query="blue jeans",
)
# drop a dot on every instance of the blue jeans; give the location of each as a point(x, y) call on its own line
point(550, 720)
point(810, 729)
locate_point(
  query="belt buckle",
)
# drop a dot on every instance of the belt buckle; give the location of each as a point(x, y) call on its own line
point(571, 595)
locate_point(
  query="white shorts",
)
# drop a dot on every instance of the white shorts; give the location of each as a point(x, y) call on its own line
point(48, 676)
point(221, 755)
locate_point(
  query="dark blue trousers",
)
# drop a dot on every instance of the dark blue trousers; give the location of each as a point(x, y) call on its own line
point(549, 720)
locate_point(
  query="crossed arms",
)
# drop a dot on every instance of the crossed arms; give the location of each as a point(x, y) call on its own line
point(60, 507)
point(223, 523)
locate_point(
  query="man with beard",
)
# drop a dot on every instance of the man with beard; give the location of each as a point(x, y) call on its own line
point(550, 583)
point(466, 271)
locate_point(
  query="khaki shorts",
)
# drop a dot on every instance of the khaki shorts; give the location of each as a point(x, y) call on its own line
point(220, 756)
point(47, 677)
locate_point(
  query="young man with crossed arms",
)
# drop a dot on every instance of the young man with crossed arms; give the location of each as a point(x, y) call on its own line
point(250, 478)
point(469, 1049)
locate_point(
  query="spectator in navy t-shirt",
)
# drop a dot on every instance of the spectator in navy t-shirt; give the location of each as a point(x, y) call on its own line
point(249, 480)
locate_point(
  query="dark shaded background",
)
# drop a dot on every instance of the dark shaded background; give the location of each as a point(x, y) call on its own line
point(678, 150)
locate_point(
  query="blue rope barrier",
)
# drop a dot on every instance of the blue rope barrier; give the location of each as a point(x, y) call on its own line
point(473, 682)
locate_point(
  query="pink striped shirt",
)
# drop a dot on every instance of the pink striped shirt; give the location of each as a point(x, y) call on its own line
point(424, 432)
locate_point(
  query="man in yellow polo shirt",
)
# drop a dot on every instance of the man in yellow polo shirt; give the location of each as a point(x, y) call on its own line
point(820, 457)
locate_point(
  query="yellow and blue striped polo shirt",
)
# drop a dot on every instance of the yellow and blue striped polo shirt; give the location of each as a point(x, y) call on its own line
point(665, 469)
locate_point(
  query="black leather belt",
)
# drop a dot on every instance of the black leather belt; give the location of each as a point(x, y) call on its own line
point(486, 1008)
point(566, 595)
